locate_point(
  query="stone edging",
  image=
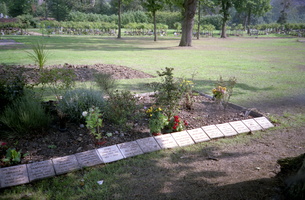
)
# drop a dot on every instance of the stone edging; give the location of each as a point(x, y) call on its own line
point(25, 173)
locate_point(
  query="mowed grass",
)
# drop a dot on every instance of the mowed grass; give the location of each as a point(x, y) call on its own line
point(266, 68)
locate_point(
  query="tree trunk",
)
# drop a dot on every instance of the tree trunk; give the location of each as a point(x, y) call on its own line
point(248, 21)
point(155, 26)
point(188, 22)
point(198, 30)
point(119, 21)
point(225, 7)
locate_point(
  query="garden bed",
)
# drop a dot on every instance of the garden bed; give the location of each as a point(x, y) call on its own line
point(76, 138)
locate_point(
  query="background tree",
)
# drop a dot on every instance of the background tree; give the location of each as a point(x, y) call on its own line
point(188, 12)
point(283, 16)
point(20, 7)
point(153, 6)
point(225, 6)
point(252, 8)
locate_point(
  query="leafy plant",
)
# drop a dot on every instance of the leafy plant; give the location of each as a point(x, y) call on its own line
point(176, 124)
point(94, 121)
point(58, 79)
point(169, 92)
point(157, 120)
point(11, 87)
point(106, 83)
point(39, 55)
point(122, 107)
point(12, 156)
point(74, 102)
point(25, 115)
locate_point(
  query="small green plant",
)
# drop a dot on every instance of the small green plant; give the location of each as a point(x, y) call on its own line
point(12, 156)
point(94, 121)
point(186, 87)
point(106, 83)
point(74, 102)
point(52, 146)
point(57, 79)
point(39, 55)
point(12, 86)
point(157, 120)
point(122, 108)
point(168, 93)
point(25, 115)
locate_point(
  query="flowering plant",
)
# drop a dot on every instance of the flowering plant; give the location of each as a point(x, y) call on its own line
point(219, 93)
point(94, 121)
point(176, 124)
point(157, 120)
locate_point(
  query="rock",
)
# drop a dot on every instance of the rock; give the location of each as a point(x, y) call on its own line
point(79, 139)
point(79, 149)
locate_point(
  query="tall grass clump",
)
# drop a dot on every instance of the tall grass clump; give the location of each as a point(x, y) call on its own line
point(39, 54)
point(76, 101)
point(25, 115)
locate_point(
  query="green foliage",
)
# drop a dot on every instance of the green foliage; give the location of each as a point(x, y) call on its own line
point(12, 157)
point(215, 20)
point(169, 92)
point(39, 55)
point(57, 79)
point(11, 87)
point(168, 18)
point(94, 121)
point(105, 82)
point(157, 120)
point(122, 108)
point(74, 102)
point(25, 115)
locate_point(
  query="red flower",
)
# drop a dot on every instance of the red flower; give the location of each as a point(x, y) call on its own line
point(3, 143)
point(174, 127)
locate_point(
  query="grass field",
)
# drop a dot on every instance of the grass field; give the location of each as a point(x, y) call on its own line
point(267, 70)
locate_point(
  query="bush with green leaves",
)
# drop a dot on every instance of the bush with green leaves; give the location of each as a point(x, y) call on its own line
point(122, 108)
point(105, 82)
point(169, 92)
point(11, 87)
point(26, 115)
point(74, 102)
point(57, 79)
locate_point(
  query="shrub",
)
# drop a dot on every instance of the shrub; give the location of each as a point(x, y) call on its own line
point(169, 92)
point(74, 102)
point(58, 79)
point(11, 87)
point(105, 82)
point(25, 115)
point(122, 107)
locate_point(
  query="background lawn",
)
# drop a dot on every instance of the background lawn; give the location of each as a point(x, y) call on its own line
point(268, 70)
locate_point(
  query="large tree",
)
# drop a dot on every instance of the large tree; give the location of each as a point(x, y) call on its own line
point(225, 6)
point(188, 12)
point(252, 8)
point(153, 6)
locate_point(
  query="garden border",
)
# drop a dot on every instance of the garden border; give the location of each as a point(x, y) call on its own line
point(26, 173)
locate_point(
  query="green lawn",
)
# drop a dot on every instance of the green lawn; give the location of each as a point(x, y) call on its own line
point(266, 68)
